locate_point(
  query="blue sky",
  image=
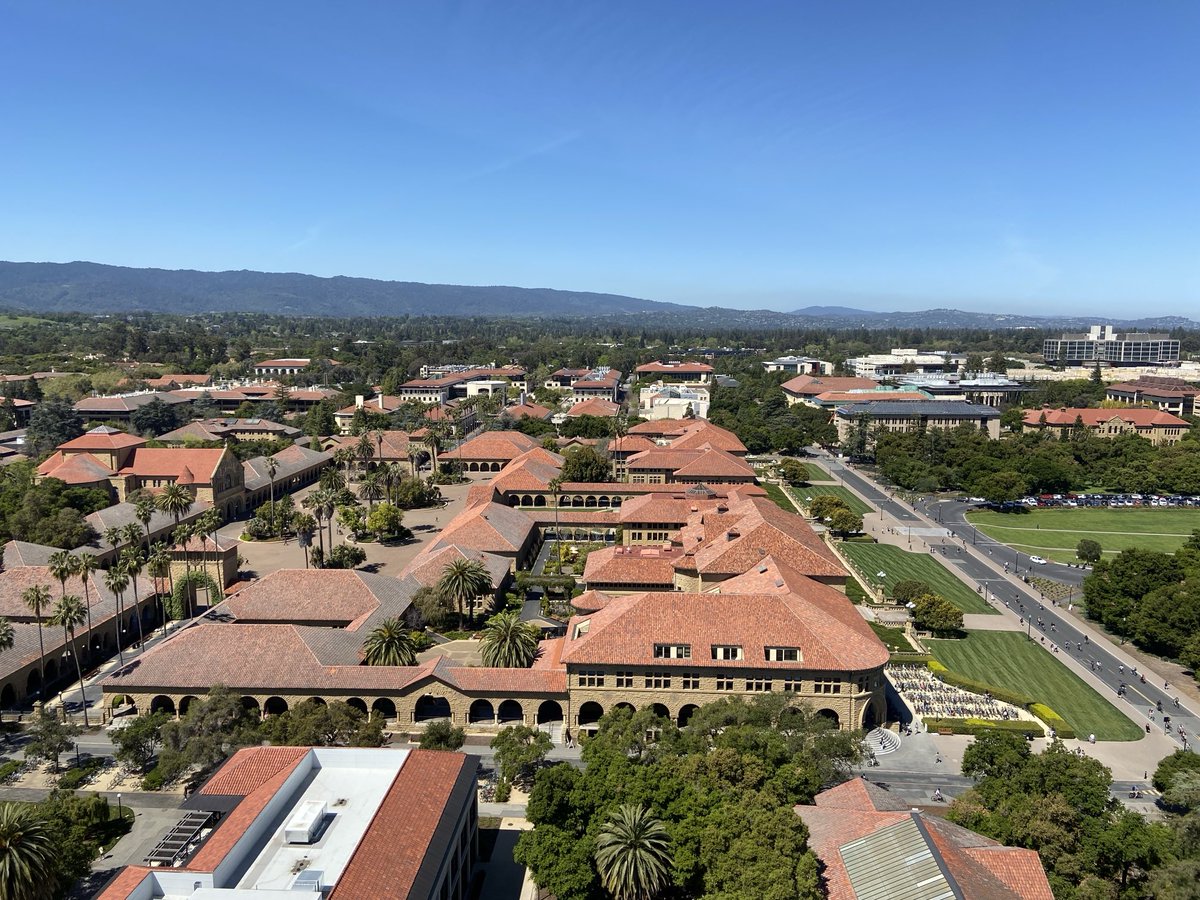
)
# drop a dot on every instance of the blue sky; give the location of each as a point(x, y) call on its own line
point(1027, 156)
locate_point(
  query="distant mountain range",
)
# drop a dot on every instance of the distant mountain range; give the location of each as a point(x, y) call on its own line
point(93, 287)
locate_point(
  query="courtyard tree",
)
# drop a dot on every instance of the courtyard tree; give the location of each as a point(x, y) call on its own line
point(390, 644)
point(519, 749)
point(586, 464)
point(508, 642)
point(442, 735)
point(464, 581)
point(633, 853)
point(47, 738)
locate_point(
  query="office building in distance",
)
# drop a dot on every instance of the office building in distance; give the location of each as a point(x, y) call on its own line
point(1103, 344)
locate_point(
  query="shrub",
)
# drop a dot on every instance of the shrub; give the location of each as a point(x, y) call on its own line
point(503, 790)
point(76, 778)
point(977, 727)
point(10, 770)
point(1053, 719)
point(154, 780)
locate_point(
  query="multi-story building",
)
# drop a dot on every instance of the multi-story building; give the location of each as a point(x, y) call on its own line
point(805, 388)
point(119, 408)
point(674, 371)
point(901, 360)
point(1155, 426)
point(230, 429)
point(673, 401)
point(916, 415)
point(1105, 345)
point(303, 822)
point(800, 365)
point(983, 388)
point(1171, 395)
point(272, 368)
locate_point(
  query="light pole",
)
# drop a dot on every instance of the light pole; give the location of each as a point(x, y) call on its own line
point(120, 813)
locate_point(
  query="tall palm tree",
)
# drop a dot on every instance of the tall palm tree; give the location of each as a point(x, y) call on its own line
point(159, 564)
point(37, 598)
point(371, 489)
point(555, 486)
point(27, 853)
point(113, 537)
point(69, 614)
point(633, 854)
point(7, 635)
point(462, 581)
point(85, 564)
point(413, 455)
point(331, 478)
point(61, 567)
point(206, 530)
point(509, 643)
point(175, 500)
point(393, 476)
point(390, 644)
point(305, 526)
point(316, 501)
point(364, 450)
point(143, 511)
point(272, 466)
point(181, 537)
point(117, 581)
point(132, 562)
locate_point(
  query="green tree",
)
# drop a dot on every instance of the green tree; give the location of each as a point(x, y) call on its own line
point(390, 644)
point(586, 464)
point(137, 743)
point(906, 590)
point(212, 729)
point(508, 642)
point(464, 581)
point(633, 854)
point(932, 612)
point(845, 521)
point(155, 418)
point(1089, 551)
point(52, 422)
point(519, 749)
point(47, 738)
point(1002, 487)
point(28, 855)
point(69, 614)
point(793, 471)
point(995, 754)
point(441, 735)
point(313, 724)
point(37, 598)
point(385, 520)
point(826, 506)
point(433, 606)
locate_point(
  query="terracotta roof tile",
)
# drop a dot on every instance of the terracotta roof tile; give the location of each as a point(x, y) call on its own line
point(811, 385)
point(493, 445)
point(1140, 417)
point(245, 771)
point(103, 438)
point(594, 406)
point(171, 462)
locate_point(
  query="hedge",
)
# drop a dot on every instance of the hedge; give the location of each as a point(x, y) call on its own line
point(1053, 719)
point(81, 775)
point(10, 770)
point(977, 727)
point(910, 658)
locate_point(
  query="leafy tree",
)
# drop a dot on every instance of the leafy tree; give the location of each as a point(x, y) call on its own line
point(441, 735)
point(845, 521)
point(1089, 551)
point(995, 754)
point(345, 556)
point(156, 417)
point(793, 471)
point(52, 422)
point(464, 581)
point(519, 749)
point(508, 642)
point(433, 606)
point(390, 644)
point(48, 738)
point(826, 506)
point(909, 589)
point(1181, 762)
point(586, 464)
point(212, 728)
point(385, 520)
point(1002, 487)
point(932, 612)
point(313, 724)
point(137, 743)
point(633, 853)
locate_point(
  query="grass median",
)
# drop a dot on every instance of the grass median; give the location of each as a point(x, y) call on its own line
point(1055, 533)
point(900, 565)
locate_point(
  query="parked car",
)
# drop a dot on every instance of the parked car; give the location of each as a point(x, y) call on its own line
point(1037, 560)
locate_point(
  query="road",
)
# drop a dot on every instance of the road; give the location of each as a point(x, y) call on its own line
point(1089, 650)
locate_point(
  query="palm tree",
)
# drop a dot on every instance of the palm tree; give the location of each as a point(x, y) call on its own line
point(331, 478)
point(364, 450)
point(27, 853)
point(117, 581)
point(633, 854)
point(37, 598)
point(434, 438)
point(305, 526)
point(7, 635)
point(393, 476)
point(462, 581)
point(371, 489)
point(61, 567)
point(390, 644)
point(114, 536)
point(272, 466)
point(175, 500)
point(180, 538)
point(159, 563)
point(143, 511)
point(555, 486)
point(509, 643)
point(317, 502)
point(206, 529)
point(413, 455)
point(85, 564)
point(132, 562)
point(69, 614)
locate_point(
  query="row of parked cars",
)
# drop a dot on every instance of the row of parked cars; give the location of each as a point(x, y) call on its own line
point(1111, 501)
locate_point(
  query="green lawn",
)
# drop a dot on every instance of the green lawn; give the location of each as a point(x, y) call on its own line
point(1010, 660)
point(893, 638)
point(1054, 533)
point(775, 492)
point(844, 494)
point(815, 473)
point(900, 565)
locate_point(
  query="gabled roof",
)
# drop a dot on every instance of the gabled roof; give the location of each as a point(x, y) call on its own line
point(594, 406)
point(634, 566)
point(625, 631)
point(491, 527)
point(811, 385)
point(346, 596)
point(1139, 417)
point(172, 462)
point(97, 406)
point(77, 468)
point(103, 438)
point(429, 566)
point(493, 445)
point(702, 462)
point(674, 368)
point(121, 515)
point(527, 410)
point(23, 553)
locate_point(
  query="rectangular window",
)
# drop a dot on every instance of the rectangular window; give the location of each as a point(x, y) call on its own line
point(782, 654)
point(624, 679)
point(690, 681)
point(591, 679)
point(862, 684)
point(672, 651)
point(724, 682)
point(658, 679)
point(793, 684)
point(757, 685)
point(727, 651)
point(827, 686)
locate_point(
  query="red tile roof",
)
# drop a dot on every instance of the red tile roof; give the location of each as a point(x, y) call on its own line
point(311, 595)
point(1138, 417)
point(103, 438)
point(527, 410)
point(491, 527)
point(853, 396)
point(493, 445)
point(635, 566)
point(594, 406)
point(674, 368)
point(77, 468)
point(811, 385)
point(247, 769)
point(702, 462)
point(172, 462)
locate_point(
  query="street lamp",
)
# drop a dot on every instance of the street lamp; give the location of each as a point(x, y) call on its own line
point(120, 813)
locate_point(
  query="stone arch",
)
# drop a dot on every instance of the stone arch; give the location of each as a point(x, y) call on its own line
point(496, 467)
point(832, 716)
point(33, 683)
point(51, 670)
point(590, 501)
point(589, 714)
point(162, 703)
point(870, 716)
point(8, 696)
point(686, 712)
point(316, 701)
point(357, 703)
point(539, 500)
point(275, 706)
point(661, 711)
point(616, 501)
point(623, 705)
point(186, 703)
point(603, 502)
point(430, 707)
point(385, 707)
point(251, 705)
point(510, 711)
point(549, 711)
point(481, 712)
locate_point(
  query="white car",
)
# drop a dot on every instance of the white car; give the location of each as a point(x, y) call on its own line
point(1038, 560)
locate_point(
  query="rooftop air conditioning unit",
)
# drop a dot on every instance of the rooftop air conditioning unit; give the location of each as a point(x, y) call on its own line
point(305, 822)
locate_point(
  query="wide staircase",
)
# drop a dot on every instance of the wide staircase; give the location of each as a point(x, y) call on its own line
point(880, 741)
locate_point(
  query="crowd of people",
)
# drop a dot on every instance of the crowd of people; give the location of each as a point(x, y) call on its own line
point(929, 696)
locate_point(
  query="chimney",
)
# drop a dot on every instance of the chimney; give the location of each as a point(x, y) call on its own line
point(379, 401)
point(731, 534)
point(358, 401)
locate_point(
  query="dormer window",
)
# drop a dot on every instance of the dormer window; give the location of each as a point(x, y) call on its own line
point(727, 651)
point(581, 628)
point(782, 654)
point(672, 651)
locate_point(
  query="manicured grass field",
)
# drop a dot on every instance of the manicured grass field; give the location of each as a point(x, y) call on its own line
point(775, 492)
point(844, 494)
point(900, 565)
point(1054, 533)
point(816, 473)
point(1010, 660)
point(893, 638)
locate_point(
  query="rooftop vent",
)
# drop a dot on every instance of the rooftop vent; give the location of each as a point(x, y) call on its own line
point(305, 822)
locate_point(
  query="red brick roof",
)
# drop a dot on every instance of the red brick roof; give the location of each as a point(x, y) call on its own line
point(103, 438)
point(1139, 417)
point(312, 595)
point(674, 368)
point(703, 462)
point(594, 406)
point(636, 566)
point(77, 468)
point(630, 443)
point(493, 445)
point(491, 527)
point(811, 385)
point(172, 462)
point(245, 771)
point(527, 410)
point(626, 630)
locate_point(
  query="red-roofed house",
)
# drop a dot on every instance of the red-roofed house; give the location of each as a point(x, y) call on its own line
point(1156, 426)
point(594, 406)
point(703, 465)
point(687, 372)
point(490, 451)
point(805, 388)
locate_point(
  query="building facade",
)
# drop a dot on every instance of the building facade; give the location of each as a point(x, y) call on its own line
point(1105, 345)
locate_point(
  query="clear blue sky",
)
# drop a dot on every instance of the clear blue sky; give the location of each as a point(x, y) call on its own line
point(1033, 156)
